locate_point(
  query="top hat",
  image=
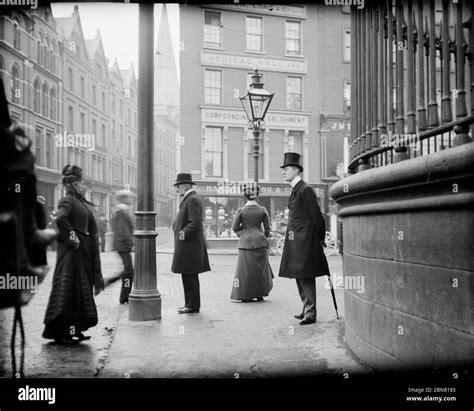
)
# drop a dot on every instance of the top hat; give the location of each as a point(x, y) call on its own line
point(184, 178)
point(71, 174)
point(292, 159)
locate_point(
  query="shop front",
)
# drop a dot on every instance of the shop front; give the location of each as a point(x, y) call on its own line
point(221, 200)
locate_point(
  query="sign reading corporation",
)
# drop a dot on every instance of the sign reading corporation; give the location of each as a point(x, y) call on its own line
point(209, 58)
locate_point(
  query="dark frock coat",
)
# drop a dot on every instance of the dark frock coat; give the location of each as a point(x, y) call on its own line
point(190, 253)
point(122, 227)
point(77, 271)
point(303, 253)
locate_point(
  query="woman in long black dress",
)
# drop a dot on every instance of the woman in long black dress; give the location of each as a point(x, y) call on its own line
point(71, 307)
point(253, 274)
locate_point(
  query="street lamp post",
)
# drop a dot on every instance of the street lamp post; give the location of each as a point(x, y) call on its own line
point(145, 299)
point(255, 103)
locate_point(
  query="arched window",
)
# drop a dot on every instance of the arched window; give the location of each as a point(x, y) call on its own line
point(16, 34)
point(40, 49)
point(15, 84)
point(52, 104)
point(36, 96)
point(53, 56)
point(46, 54)
point(44, 100)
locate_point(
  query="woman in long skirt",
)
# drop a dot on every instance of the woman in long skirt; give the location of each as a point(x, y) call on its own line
point(253, 274)
point(71, 307)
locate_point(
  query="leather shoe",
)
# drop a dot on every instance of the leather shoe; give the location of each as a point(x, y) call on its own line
point(299, 316)
point(187, 310)
point(307, 321)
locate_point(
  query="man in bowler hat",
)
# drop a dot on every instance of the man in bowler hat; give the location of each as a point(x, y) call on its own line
point(190, 254)
point(303, 256)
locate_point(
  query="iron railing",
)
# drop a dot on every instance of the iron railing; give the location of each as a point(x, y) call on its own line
point(411, 63)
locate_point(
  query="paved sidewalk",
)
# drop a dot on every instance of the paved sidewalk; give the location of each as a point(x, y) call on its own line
point(227, 339)
point(233, 339)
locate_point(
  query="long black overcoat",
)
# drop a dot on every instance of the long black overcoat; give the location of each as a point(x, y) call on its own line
point(190, 253)
point(303, 253)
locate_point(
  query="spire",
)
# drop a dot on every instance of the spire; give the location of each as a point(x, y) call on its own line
point(166, 76)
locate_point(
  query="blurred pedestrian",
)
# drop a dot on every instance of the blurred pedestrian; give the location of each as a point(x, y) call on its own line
point(102, 227)
point(52, 225)
point(303, 255)
point(190, 254)
point(71, 307)
point(253, 274)
point(122, 227)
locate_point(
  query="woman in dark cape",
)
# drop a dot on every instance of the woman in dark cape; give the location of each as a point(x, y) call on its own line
point(71, 307)
point(253, 274)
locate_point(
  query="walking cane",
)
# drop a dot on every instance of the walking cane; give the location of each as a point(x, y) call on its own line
point(333, 296)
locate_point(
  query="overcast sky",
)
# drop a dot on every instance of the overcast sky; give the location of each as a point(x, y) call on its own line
point(118, 25)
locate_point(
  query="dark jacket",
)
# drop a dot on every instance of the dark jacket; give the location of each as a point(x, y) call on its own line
point(190, 253)
point(122, 227)
point(102, 226)
point(248, 222)
point(303, 254)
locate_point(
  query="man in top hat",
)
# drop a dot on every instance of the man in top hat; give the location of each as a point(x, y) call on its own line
point(303, 255)
point(190, 254)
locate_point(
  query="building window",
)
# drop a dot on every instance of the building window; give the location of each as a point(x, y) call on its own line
point(346, 58)
point(103, 101)
point(71, 118)
point(71, 79)
point(114, 138)
point(49, 157)
point(83, 123)
point(295, 142)
point(213, 152)
point(254, 33)
point(121, 108)
point(15, 85)
point(113, 103)
point(129, 116)
point(293, 37)
point(121, 135)
point(36, 96)
point(83, 87)
point(16, 38)
point(44, 101)
point(212, 86)
point(38, 146)
point(52, 104)
point(293, 93)
point(212, 29)
point(347, 95)
point(104, 136)
point(117, 170)
point(94, 128)
point(94, 95)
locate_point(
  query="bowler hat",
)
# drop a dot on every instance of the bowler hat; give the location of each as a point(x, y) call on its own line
point(292, 159)
point(183, 178)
